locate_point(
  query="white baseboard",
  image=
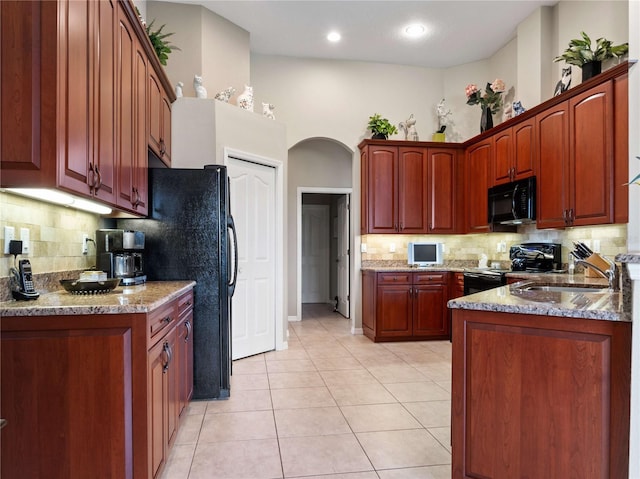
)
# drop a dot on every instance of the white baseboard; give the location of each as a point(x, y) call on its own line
point(294, 318)
point(357, 331)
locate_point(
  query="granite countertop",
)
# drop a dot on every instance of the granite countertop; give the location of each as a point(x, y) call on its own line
point(412, 269)
point(122, 300)
point(510, 299)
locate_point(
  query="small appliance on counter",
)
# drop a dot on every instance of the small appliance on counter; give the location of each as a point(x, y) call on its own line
point(424, 254)
point(536, 257)
point(120, 253)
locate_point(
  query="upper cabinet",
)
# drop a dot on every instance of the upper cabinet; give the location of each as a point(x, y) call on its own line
point(576, 161)
point(159, 120)
point(514, 154)
point(407, 189)
point(74, 99)
point(478, 169)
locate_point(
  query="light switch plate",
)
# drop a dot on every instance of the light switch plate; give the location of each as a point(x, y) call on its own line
point(596, 245)
point(25, 238)
point(9, 234)
point(392, 247)
point(363, 247)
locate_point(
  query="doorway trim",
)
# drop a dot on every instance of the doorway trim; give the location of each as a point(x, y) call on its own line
point(331, 191)
point(281, 342)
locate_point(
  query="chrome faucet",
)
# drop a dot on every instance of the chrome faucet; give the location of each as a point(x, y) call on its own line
point(612, 273)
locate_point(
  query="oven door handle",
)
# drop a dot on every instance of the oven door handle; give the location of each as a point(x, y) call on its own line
point(474, 275)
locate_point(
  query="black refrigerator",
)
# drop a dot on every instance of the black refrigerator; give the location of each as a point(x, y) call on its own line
point(190, 235)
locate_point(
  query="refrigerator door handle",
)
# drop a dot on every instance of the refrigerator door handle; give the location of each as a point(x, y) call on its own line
point(232, 226)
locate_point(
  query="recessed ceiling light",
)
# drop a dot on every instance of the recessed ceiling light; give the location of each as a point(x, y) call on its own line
point(334, 37)
point(415, 30)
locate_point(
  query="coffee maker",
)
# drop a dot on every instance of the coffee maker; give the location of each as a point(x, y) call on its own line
point(120, 253)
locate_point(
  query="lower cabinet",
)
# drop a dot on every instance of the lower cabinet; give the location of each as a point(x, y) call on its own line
point(64, 378)
point(539, 396)
point(405, 305)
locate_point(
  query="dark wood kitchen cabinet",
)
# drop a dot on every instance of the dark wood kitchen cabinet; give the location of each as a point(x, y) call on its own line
point(514, 153)
point(159, 119)
point(539, 396)
point(132, 158)
point(405, 305)
point(408, 189)
point(64, 101)
point(66, 377)
point(576, 160)
point(61, 133)
point(478, 171)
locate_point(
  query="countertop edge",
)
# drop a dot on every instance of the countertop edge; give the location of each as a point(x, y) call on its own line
point(131, 302)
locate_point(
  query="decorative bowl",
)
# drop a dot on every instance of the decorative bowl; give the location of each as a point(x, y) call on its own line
point(75, 286)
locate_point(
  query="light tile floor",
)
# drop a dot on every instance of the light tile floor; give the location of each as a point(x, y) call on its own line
point(332, 406)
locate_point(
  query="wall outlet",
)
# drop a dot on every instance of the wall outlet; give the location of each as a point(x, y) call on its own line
point(25, 238)
point(85, 243)
point(392, 247)
point(596, 245)
point(363, 247)
point(9, 234)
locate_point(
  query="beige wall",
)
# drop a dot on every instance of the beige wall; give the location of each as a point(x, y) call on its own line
point(210, 46)
point(55, 233)
point(633, 241)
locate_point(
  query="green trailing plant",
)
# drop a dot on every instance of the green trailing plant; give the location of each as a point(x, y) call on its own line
point(580, 51)
point(162, 47)
point(381, 126)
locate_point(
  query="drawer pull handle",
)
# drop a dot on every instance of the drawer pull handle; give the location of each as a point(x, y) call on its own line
point(167, 319)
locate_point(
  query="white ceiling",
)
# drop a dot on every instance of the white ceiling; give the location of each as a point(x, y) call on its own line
point(459, 31)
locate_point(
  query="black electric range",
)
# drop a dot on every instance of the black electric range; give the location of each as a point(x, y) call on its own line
point(482, 279)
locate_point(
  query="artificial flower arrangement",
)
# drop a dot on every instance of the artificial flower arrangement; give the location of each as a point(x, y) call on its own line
point(491, 98)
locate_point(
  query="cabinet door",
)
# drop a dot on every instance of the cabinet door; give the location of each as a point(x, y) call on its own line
point(67, 398)
point(75, 147)
point(166, 131)
point(126, 109)
point(185, 359)
point(155, 114)
point(382, 189)
point(173, 373)
point(412, 191)
point(523, 141)
point(158, 384)
point(621, 150)
point(591, 161)
point(442, 190)
point(394, 311)
point(430, 314)
point(478, 169)
point(104, 158)
point(364, 191)
point(553, 173)
point(140, 170)
point(502, 157)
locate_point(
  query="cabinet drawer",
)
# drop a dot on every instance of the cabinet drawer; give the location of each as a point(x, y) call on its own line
point(394, 278)
point(160, 320)
point(185, 302)
point(431, 277)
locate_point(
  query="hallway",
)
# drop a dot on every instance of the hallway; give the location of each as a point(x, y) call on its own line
point(333, 405)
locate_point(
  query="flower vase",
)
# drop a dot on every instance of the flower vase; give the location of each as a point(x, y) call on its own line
point(591, 69)
point(486, 120)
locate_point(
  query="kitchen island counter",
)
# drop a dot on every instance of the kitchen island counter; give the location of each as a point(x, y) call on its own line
point(142, 298)
point(600, 305)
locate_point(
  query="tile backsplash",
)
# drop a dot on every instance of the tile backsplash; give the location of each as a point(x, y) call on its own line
point(55, 234)
point(613, 241)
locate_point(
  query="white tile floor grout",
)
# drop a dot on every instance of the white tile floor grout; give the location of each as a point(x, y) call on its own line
point(332, 406)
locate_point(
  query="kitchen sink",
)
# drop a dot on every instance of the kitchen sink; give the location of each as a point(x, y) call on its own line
point(564, 289)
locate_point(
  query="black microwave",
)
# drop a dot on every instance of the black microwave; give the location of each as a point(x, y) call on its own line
point(513, 203)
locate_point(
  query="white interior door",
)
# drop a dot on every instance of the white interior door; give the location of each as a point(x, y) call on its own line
point(315, 253)
point(343, 255)
point(253, 200)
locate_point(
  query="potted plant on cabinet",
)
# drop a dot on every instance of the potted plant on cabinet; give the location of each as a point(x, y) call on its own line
point(580, 54)
point(380, 127)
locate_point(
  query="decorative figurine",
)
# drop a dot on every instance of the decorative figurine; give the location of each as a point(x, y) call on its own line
point(267, 111)
point(201, 91)
point(518, 108)
point(442, 114)
point(245, 100)
point(565, 81)
point(409, 128)
point(225, 94)
point(179, 89)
